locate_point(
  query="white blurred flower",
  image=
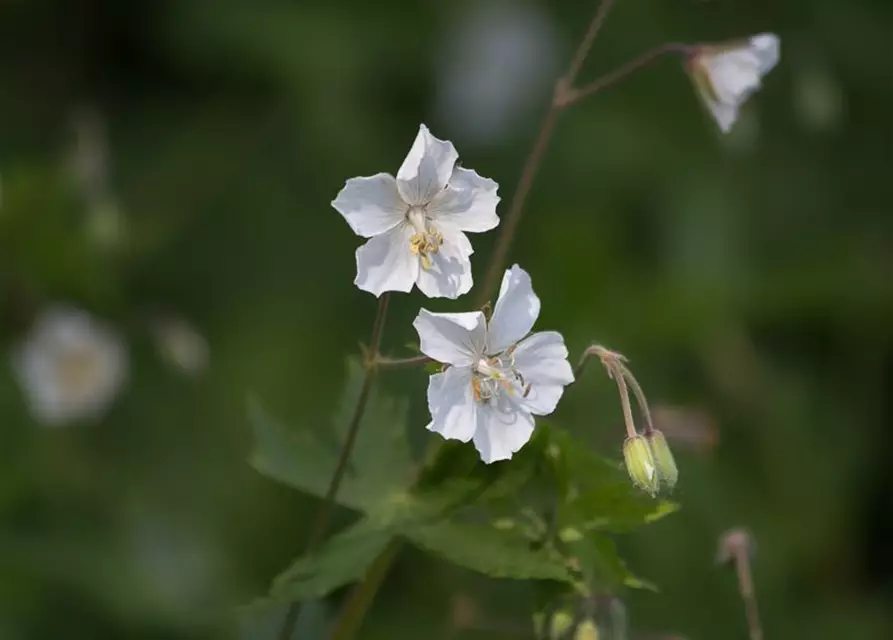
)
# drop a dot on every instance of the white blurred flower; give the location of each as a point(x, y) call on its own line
point(498, 64)
point(498, 379)
point(70, 366)
point(726, 76)
point(181, 345)
point(415, 223)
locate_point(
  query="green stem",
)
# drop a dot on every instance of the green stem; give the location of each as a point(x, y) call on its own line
point(363, 595)
point(321, 524)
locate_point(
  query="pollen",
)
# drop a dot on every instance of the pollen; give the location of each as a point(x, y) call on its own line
point(426, 243)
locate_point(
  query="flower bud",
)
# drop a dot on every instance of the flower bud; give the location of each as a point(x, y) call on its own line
point(640, 464)
point(663, 459)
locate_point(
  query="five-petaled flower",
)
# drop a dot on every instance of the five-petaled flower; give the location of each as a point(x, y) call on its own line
point(726, 76)
point(415, 222)
point(499, 377)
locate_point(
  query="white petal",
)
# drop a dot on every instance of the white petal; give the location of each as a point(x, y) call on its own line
point(371, 205)
point(386, 263)
point(724, 114)
point(502, 429)
point(542, 361)
point(516, 310)
point(542, 358)
point(449, 275)
point(453, 338)
point(468, 203)
point(452, 404)
point(766, 47)
point(427, 168)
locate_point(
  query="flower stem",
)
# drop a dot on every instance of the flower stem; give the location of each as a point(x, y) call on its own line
point(362, 596)
point(528, 173)
point(573, 96)
point(383, 362)
point(748, 595)
point(321, 524)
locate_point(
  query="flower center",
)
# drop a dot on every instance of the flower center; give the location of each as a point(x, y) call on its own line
point(496, 375)
point(427, 239)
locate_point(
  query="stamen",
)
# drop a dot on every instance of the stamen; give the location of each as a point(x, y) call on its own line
point(426, 240)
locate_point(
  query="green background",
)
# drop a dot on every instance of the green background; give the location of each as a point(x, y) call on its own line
point(745, 276)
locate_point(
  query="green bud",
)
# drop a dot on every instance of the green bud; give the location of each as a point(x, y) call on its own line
point(663, 459)
point(640, 464)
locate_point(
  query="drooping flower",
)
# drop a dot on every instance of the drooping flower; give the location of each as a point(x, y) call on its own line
point(416, 222)
point(726, 76)
point(70, 366)
point(639, 460)
point(498, 377)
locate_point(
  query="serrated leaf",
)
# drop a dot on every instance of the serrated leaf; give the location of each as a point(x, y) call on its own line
point(495, 552)
point(380, 461)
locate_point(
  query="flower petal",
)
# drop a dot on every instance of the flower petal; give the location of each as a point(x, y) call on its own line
point(371, 205)
point(449, 275)
point(502, 429)
point(427, 168)
point(454, 338)
point(516, 310)
point(468, 203)
point(385, 262)
point(452, 404)
point(767, 49)
point(542, 358)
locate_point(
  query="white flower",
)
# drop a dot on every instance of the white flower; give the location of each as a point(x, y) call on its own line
point(727, 76)
point(415, 222)
point(498, 379)
point(70, 366)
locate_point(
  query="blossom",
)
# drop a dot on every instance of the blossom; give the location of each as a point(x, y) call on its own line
point(726, 76)
point(498, 377)
point(415, 222)
point(70, 366)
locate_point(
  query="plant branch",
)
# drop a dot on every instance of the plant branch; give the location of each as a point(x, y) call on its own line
point(383, 362)
point(362, 596)
point(572, 95)
point(528, 173)
point(321, 524)
point(748, 595)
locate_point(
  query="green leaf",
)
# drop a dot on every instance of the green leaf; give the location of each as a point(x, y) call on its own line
point(603, 566)
point(343, 559)
point(495, 552)
point(380, 461)
point(615, 508)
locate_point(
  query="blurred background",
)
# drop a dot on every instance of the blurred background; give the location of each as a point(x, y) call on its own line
point(166, 166)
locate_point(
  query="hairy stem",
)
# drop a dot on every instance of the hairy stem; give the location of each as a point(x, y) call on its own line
point(321, 524)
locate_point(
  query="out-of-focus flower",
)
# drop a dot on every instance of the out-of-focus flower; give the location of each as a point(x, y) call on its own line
point(667, 472)
point(727, 75)
point(70, 366)
point(415, 222)
point(181, 345)
point(498, 379)
point(497, 65)
point(640, 464)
